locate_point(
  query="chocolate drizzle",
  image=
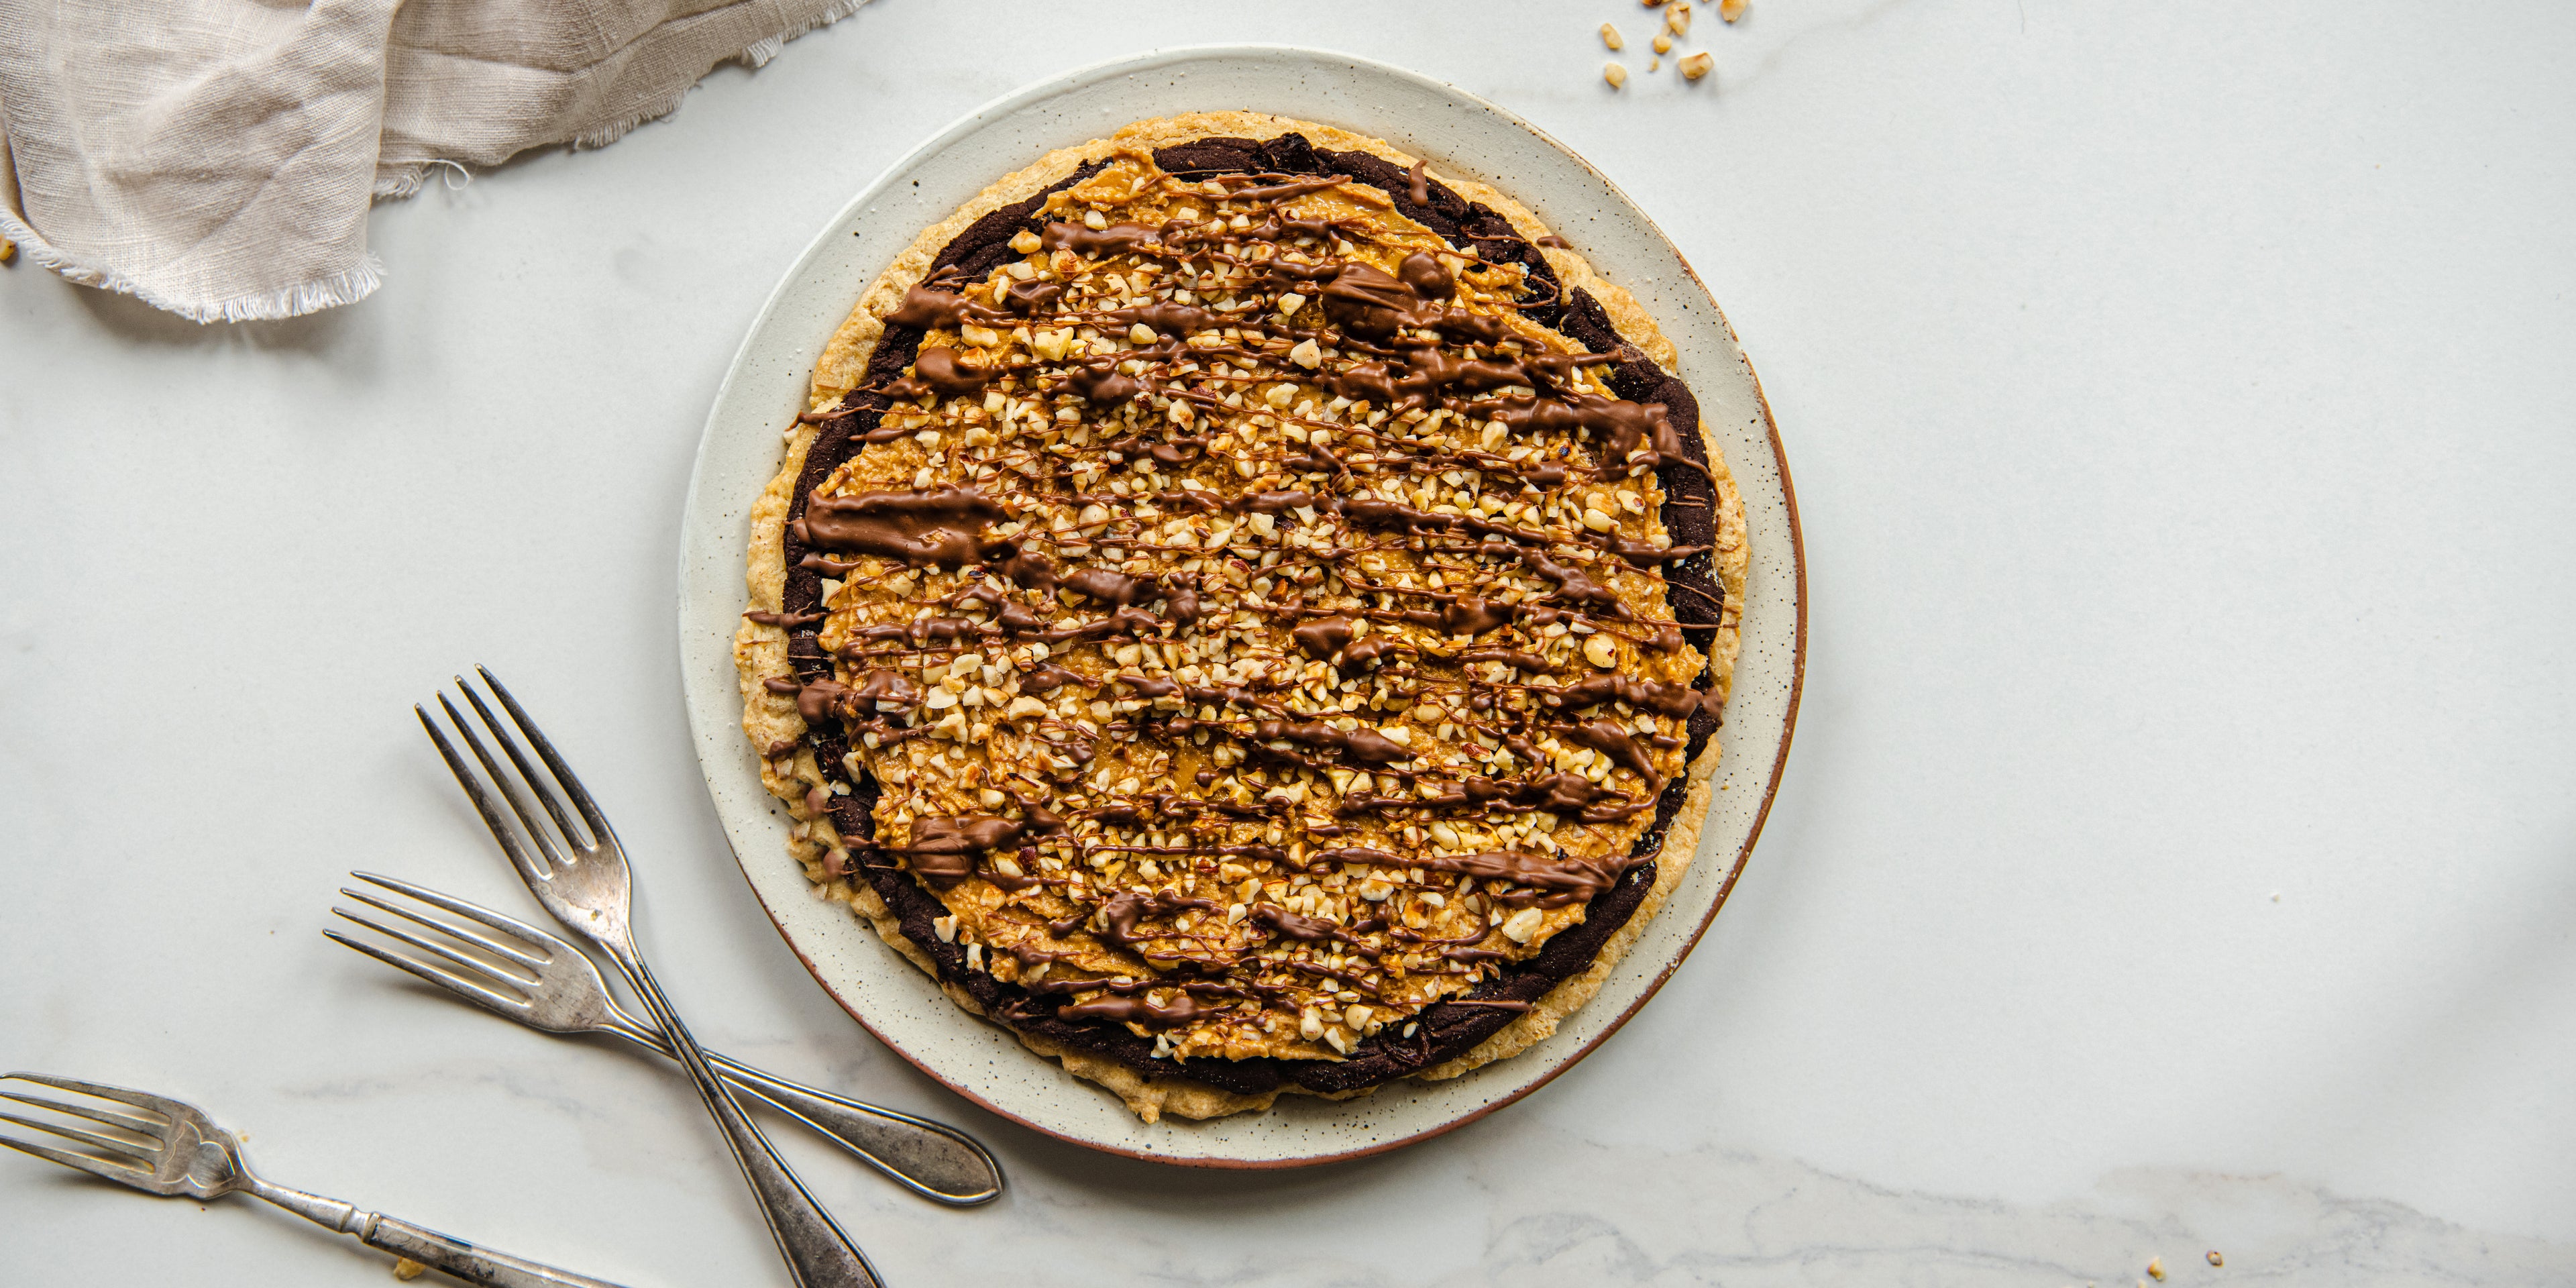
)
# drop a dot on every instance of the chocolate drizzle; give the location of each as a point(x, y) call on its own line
point(1581, 877)
point(943, 850)
point(939, 373)
point(925, 307)
point(1103, 383)
point(1113, 240)
point(934, 527)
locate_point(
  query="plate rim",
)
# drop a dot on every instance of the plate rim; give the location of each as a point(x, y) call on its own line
point(1036, 91)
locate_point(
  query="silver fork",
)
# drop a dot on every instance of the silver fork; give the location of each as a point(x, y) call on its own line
point(167, 1147)
point(543, 981)
point(580, 875)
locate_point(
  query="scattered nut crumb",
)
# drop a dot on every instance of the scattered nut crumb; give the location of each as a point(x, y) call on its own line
point(1663, 42)
point(8, 250)
point(1696, 65)
point(1677, 17)
point(1615, 74)
point(1654, 64)
point(1652, 3)
point(2215, 1259)
point(1610, 37)
point(2156, 1268)
point(408, 1269)
point(1732, 9)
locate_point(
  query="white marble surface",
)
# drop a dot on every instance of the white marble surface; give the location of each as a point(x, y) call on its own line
point(2179, 399)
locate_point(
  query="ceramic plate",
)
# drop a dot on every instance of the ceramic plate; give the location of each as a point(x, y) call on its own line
point(1458, 134)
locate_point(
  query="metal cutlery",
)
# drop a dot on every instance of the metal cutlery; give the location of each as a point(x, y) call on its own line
point(167, 1147)
point(579, 873)
point(543, 981)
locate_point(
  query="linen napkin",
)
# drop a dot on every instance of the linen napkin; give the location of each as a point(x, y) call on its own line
point(217, 158)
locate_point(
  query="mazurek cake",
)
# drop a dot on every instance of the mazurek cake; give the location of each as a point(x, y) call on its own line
point(1247, 613)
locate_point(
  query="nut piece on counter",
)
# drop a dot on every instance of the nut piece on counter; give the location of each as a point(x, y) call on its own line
point(2215, 1259)
point(2156, 1267)
point(1677, 17)
point(1615, 74)
point(1663, 42)
point(8, 250)
point(1652, 3)
point(1610, 37)
point(1732, 9)
point(408, 1270)
point(1696, 65)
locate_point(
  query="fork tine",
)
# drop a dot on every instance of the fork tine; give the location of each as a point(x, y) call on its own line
point(581, 800)
point(556, 856)
point(520, 856)
point(507, 925)
point(443, 978)
point(120, 1121)
point(95, 1140)
point(465, 933)
point(489, 972)
point(96, 1167)
point(162, 1105)
point(546, 796)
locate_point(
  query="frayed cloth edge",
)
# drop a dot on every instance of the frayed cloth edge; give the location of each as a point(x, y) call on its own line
point(392, 183)
point(347, 286)
point(405, 179)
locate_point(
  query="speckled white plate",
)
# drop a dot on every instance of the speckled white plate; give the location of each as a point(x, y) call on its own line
point(1459, 134)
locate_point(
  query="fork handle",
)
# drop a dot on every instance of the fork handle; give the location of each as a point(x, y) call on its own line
point(474, 1265)
point(817, 1252)
point(933, 1160)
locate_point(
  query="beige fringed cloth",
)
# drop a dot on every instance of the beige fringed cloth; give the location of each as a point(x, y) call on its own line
point(217, 158)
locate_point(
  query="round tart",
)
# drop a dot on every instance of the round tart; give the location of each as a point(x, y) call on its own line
point(1246, 613)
